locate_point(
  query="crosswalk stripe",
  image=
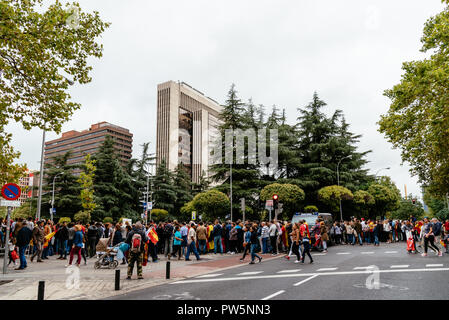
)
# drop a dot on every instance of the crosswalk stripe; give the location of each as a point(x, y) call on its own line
point(249, 273)
point(289, 271)
point(391, 252)
point(367, 252)
point(274, 295)
point(305, 280)
point(210, 275)
point(361, 268)
point(343, 253)
point(319, 254)
point(327, 269)
point(433, 265)
point(400, 266)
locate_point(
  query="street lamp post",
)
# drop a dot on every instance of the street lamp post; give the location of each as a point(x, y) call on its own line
point(387, 168)
point(338, 183)
point(53, 196)
point(41, 176)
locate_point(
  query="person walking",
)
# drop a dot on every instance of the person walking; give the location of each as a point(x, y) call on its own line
point(429, 238)
point(265, 236)
point(305, 235)
point(273, 233)
point(246, 243)
point(136, 240)
point(23, 238)
point(295, 236)
point(324, 236)
point(92, 239)
point(191, 242)
point(38, 235)
point(184, 233)
point(254, 242)
point(76, 246)
point(177, 240)
point(233, 239)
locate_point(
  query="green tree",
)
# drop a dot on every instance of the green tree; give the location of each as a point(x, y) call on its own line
point(202, 185)
point(86, 180)
point(332, 195)
point(363, 201)
point(290, 196)
point(211, 204)
point(183, 188)
point(38, 45)
point(406, 209)
point(386, 200)
point(418, 119)
point(67, 189)
point(164, 194)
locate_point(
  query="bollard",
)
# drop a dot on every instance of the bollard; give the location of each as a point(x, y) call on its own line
point(40, 290)
point(167, 271)
point(117, 279)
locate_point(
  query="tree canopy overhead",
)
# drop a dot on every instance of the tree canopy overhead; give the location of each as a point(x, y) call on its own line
point(42, 51)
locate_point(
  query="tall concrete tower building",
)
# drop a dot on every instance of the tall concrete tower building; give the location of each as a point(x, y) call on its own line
point(187, 124)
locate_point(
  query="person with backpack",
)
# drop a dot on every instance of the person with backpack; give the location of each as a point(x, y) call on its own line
point(136, 240)
point(305, 235)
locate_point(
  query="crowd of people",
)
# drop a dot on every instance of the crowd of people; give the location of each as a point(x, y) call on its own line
point(178, 240)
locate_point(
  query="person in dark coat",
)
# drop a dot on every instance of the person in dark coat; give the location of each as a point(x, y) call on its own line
point(22, 241)
point(63, 236)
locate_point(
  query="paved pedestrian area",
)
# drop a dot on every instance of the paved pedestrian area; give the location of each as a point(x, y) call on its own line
point(87, 283)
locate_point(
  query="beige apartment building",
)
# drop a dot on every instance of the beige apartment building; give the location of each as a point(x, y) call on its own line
point(187, 122)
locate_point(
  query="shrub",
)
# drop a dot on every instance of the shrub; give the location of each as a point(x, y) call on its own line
point(310, 209)
point(82, 216)
point(159, 214)
point(64, 219)
point(108, 220)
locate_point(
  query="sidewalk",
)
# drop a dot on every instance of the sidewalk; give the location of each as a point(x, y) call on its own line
point(99, 284)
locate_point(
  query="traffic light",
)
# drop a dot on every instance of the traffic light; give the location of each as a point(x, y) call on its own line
point(275, 201)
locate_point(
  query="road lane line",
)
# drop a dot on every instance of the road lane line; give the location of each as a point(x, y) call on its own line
point(368, 252)
point(327, 269)
point(433, 265)
point(391, 252)
point(274, 295)
point(305, 280)
point(249, 273)
point(289, 271)
point(291, 275)
point(400, 266)
point(210, 275)
point(361, 268)
point(343, 253)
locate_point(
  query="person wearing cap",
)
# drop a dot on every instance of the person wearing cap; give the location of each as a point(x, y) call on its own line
point(191, 242)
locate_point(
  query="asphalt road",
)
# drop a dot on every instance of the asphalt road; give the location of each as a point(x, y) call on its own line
point(340, 274)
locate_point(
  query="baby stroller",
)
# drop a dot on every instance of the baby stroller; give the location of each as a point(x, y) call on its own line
point(106, 256)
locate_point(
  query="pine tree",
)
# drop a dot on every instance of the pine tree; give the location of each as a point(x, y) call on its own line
point(183, 189)
point(164, 194)
point(202, 185)
point(67, 189)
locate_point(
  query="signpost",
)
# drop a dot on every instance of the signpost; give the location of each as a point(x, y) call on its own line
point(193, 215)
point(269, 206)
point(10, 192)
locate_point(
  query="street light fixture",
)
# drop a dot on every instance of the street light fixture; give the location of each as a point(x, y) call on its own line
point(338, 183)
point(387, 168)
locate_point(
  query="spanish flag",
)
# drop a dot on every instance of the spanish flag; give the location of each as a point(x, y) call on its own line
point(48, 238)
point(153, 236)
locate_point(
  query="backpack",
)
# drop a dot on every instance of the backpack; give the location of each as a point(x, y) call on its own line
point(136, 240)
point(92, 232)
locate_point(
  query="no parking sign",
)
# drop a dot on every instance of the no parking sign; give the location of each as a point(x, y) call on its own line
point(11, 191)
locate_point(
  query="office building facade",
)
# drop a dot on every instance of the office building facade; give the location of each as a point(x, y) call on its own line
point(89, 141)
point(187, 122)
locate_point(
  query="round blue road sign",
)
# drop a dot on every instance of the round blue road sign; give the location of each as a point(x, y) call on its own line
point(11, 191)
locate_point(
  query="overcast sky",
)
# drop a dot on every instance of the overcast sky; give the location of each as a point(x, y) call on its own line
point(276, 52)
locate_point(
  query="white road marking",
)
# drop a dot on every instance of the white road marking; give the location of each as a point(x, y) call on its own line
point(210, 275)
point(433, 265)
point(319, 254)
point(391, 252)
point(274, 295)
point(343, 253)
point(368, 252)
point(400, 266)
point(361, 268)
point(305, 280)
point(249, 273)
point(291, 275)
point(289, 271)
point(327, 269)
